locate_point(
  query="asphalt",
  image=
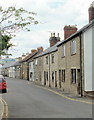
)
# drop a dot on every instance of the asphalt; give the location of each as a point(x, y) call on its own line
point(27, 100)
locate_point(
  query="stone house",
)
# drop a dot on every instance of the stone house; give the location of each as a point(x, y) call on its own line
point(75, 59)
point(68, 64)
point(38, 70)
point(26, 64)
point(46, 64)
point(31, 63)
point(69, 61)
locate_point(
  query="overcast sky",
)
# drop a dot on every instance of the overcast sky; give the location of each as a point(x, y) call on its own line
point(53, 15)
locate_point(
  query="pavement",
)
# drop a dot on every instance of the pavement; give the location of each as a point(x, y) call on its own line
point(87, 99)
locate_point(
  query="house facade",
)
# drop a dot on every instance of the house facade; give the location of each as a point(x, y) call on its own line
point(75, 61)
point(46, 64)
point(31, 63)
point(68, 65)
point(38, 70)
point(27, 69)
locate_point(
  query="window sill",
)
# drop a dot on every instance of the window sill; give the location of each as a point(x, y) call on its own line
point(73, 54)
point(63, 82)
point(63, 57)
point(73, 83)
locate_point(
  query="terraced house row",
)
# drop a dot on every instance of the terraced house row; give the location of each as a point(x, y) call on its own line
point(66, 64)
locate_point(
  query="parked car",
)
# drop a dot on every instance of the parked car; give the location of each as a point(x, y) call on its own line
point(3, 85)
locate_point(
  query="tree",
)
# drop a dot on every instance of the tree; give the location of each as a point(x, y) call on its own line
point(5, 44)
point(12, 20)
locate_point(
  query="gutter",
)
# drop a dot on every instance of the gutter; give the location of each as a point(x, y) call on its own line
point(49, 72)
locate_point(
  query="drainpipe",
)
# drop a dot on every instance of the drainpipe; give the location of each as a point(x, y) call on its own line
point(49, 71)
point(81, 84)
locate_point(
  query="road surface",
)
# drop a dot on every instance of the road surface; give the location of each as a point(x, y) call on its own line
point(26, 100)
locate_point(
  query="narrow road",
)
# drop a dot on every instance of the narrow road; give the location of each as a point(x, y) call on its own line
point(28, 101)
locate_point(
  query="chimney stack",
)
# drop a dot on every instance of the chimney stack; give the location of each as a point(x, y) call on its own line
point(19, 58)
point(27, 53)
point(33, 50)
point(69, 30)
point(53, 39)
point(40, 49)
point(23, 56)
point(91, 12)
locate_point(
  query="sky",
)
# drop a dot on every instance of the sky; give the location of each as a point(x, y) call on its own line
point(52, 15)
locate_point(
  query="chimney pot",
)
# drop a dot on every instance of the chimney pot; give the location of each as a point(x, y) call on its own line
point(53, 34)
point(58, 34)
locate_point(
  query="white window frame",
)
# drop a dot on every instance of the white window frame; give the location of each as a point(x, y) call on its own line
point(63, 50)
point(36, 62)
point(74, 76)
point(73, 47)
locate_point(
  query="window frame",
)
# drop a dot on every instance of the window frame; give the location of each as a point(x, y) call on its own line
point(73, 47)
point(63, 75)
point(73, 76)
point(63, 50)
point(53, 58)
point(53, 76)
point(36, 62)
point(46, 59)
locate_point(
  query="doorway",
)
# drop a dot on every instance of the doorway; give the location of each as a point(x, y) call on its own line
point(55, 78)
point(60, 78)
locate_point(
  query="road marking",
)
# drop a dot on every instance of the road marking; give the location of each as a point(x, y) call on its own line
point(4, 112)
point(6, 108)
point(64, 96)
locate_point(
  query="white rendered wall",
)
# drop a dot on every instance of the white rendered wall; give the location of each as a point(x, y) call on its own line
point(88, 60)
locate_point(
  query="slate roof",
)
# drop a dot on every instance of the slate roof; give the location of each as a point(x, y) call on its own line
point(48, 50)
point(78, 32)
point(7, 65)
point(29, 56)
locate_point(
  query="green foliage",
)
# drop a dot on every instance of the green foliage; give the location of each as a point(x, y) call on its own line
point(12, 20)
point(5, 43)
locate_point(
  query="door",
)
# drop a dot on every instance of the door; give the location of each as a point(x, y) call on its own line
point(55, 78)
point(79, 81)
point(60, 78)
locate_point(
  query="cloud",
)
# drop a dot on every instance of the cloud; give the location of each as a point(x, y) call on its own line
point(53, 15)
